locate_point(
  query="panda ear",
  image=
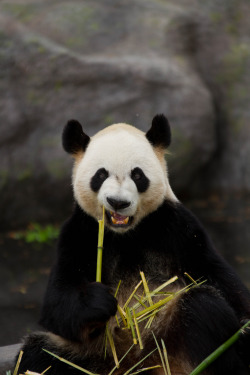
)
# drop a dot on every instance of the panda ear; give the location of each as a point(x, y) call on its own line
point(159, 134)
point(74, 140)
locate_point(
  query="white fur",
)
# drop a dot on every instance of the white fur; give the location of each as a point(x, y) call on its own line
point(119, 149)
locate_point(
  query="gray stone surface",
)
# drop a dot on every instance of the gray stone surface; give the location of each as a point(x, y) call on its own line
point(7, 357)
point(61, 60)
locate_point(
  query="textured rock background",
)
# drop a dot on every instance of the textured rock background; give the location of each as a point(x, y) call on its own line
point(103, 62)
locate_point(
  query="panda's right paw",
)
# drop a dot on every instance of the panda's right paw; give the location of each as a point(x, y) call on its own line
point(99, 304)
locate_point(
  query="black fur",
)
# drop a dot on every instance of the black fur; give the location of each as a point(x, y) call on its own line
point(159, 134)
point(139, 178)
point(74, 139)
point(97, 180)
point(175, 242)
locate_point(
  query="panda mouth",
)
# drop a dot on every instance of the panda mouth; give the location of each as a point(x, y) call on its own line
point(117, 220)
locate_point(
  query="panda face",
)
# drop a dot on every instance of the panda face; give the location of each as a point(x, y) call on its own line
point(121, 171)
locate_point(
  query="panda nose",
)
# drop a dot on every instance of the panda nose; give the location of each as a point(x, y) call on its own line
point(118, 204)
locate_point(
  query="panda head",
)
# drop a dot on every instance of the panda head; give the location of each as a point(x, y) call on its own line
point(120, 168)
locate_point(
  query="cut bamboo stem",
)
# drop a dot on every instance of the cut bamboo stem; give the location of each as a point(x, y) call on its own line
point(221, 349)
point(137, 330)
point(131, 324)
point(18, 363)
point(112, 346)
point(161, 356)
point(132, 295)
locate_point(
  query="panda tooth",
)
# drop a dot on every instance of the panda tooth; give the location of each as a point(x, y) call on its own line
point(116, 221)
point(113, 220)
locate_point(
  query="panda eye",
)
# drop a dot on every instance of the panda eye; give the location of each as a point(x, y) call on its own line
point(97, 180)
point(137, 176)
point(141, 181)
point(102, 175)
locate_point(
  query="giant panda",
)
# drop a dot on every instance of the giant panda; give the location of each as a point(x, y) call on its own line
point(146, 229)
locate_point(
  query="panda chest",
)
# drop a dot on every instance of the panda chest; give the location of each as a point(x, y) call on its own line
point(126, 267)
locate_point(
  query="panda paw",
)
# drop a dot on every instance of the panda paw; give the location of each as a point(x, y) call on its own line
point(99, 304)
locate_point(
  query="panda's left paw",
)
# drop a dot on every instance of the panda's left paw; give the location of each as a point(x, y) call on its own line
point(99, 303)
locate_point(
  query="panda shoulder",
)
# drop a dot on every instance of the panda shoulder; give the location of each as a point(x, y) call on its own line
point(182, 217)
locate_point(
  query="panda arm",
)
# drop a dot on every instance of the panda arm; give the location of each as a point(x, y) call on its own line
point(72, 311)
point(74, 305)
point(203, 261)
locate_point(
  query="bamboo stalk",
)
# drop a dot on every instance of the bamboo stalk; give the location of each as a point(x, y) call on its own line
point(18, 363)
point(122, 315)
point(112, 345)
point(117, 289)
point(131, 295)
point(132, 368)
point(140, 302)
point(131, 324)
point(153, 307)
point(221, 349)
point(137, 330)
point(165, 357)
point(170, 281)
point(69, 363)
point(111, 372)
point(145, 369)
point(190, 278)
point(152, 294)
point(117, 320)
point(146, 288)
point(160, 354)
point(164, 300)
point(100, 248)
point(149, 297)
point(46, 370)
point(148, 314)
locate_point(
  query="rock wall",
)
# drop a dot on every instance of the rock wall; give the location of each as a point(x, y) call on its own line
point(103, 62)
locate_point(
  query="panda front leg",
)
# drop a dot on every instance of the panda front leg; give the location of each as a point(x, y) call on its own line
point(76, 312)
point(196, 323)
point(39, 347)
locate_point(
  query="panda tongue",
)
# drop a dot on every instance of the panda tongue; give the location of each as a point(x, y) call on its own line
point(119, 219)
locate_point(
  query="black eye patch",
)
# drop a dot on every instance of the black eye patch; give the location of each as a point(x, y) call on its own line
point(141, 181)
point(97, 180)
